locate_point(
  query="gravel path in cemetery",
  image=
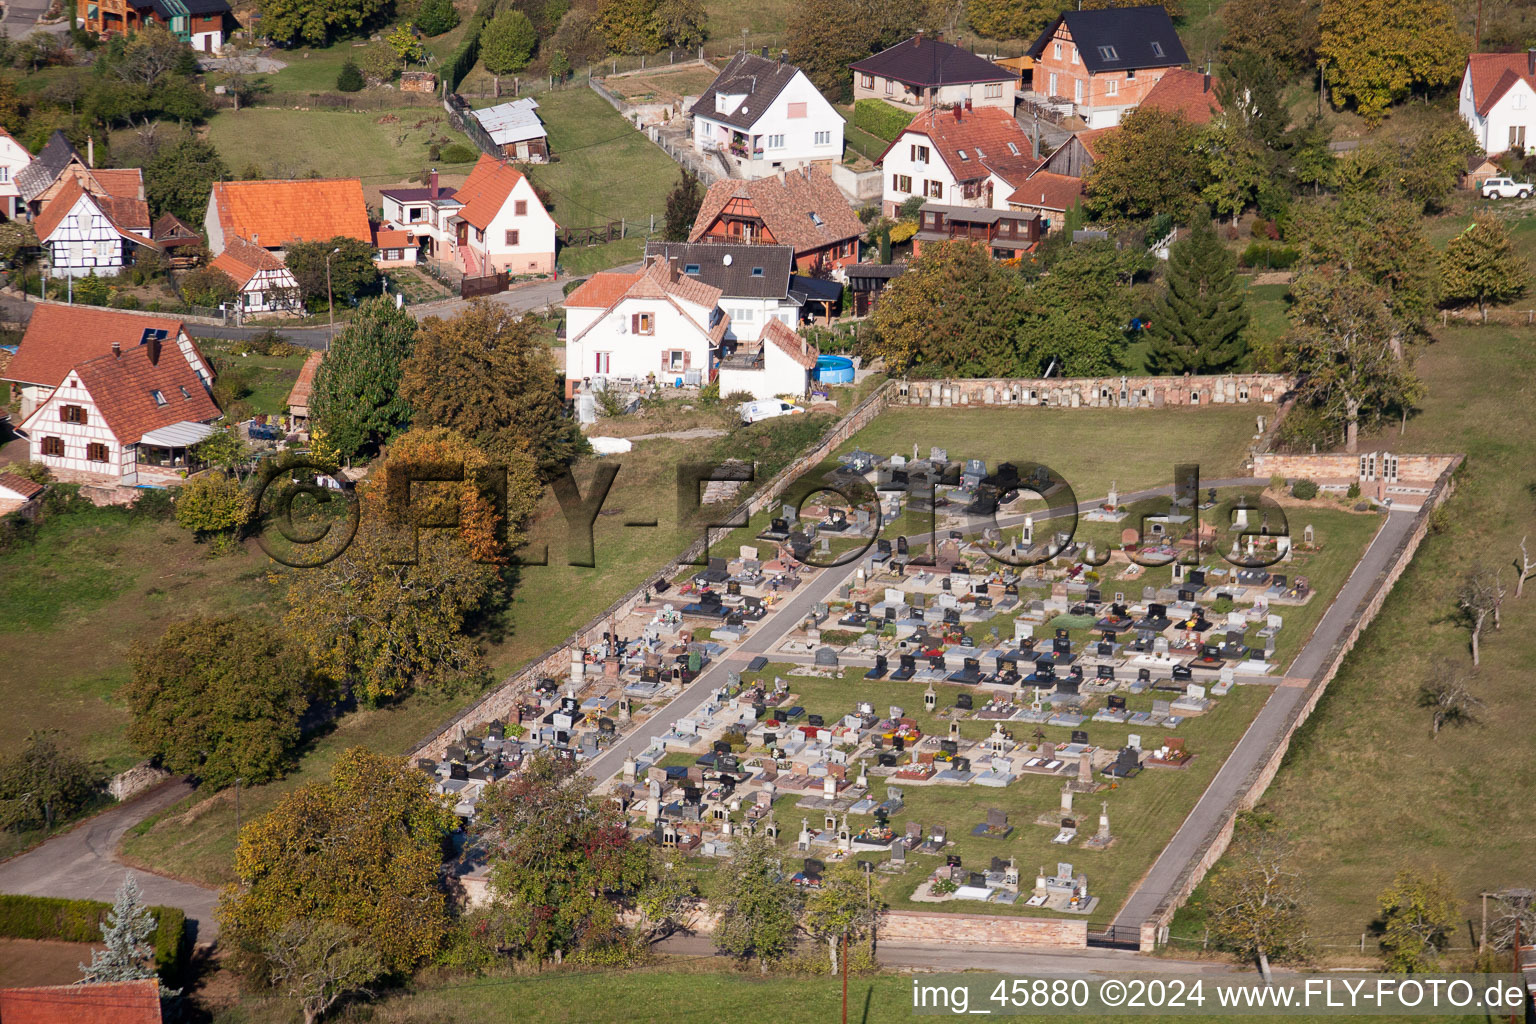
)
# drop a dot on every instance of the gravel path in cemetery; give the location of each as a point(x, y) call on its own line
point(82, 864)
point(1189, 842)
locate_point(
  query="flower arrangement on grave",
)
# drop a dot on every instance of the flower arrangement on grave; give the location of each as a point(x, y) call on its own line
point(943, 887)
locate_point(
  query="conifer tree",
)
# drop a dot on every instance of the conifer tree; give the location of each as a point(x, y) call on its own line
point(126, 931)
point(1198, 321)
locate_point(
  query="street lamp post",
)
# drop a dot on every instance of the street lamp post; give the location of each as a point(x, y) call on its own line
point(330, 302)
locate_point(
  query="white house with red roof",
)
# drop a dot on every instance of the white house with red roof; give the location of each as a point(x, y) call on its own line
point(958, 157)
point(87, 233)
point(501, 224)
point(1498, 100)
point(778, 363)
point(124, 418)
point(264, 282)
point(17, 492)
point(13, 159)
point(427, 213)
point(652, 322)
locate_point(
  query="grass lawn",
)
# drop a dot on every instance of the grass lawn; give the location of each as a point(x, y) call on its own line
point(679, 991)
point(270, 378)
point(314, 69)
point(603, 170)
point(1266, 311)
point(332, 143)
point(761, 20)
point(662, 85)
point(1365, 776)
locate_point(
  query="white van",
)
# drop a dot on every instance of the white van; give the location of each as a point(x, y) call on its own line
point(751, 412)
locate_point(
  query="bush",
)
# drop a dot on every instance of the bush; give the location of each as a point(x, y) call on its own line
point(60, 920)
point(1268, 255)
point(124, 300)
point(1306, 490)
point(709, 395)
point(880, 119)
point(460, 153)
point(1354, 490)
point(1305, 429)
point(1222, 605)
point(350, 78)
point(434, 17)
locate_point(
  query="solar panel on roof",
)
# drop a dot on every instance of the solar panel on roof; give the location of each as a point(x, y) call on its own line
point(153, 334)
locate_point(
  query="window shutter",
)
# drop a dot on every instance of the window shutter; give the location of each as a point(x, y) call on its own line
point(666, 359)
point(634, 323)
point(687, 358)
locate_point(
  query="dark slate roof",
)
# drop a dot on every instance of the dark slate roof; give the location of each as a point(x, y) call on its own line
point(875, 270)
point(813, 288)
point(924, 61)
point(419, 195)
point(737, 279)
point(33, 180)
point(1132, 37)
point(759, 78)
point(206, 6)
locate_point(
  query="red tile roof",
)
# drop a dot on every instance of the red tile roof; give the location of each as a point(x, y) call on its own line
point(242, 261)
point(123, 388)
point(1493, 74)
point(130, 217)
point(273, 214)
point(1188, 93)
point(787, 207)
point(393, 238)
point(20, 484)
point(788, 342)
point(1047, 190)
point(1089, 139)
point(602, 290)
point(486, 190)
point(59, 338)
point(121, 1002)
point(123, 182)
point(305, 385)
point(983, 135)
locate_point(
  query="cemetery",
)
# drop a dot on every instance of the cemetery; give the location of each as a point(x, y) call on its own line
point(989, 713)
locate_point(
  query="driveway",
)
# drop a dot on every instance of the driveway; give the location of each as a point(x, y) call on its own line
point(21, 18)
point(82, 864)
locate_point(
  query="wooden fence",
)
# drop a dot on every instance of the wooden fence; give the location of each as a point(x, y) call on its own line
point(490, 284)
point(598, 234)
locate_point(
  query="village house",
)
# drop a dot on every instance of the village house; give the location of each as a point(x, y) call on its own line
point(761, 115)
point(180, 241)
point(201, 24)
point(125, 418)
point(754, 280)
point(60, 337)
point(1498, 99)
point(777, 363)
point(515, 127)
point(1048, 196)
point(958, 157)
point(14, 158)
point(41, 174)
point(1098, 64)
point(925, 71)
point(427, 213)
point(276, 214)
point(1190, 94)
point(502, 226)
point(657, 322)
point(264, 282)
point(803, 209)
point(87, 233)
point(393, 247)
point(17, 492)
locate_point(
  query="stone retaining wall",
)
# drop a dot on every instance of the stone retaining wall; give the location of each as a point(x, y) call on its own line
point(983, 930)
point(1099, 392)
point(1154, 929)
point(1344, 469)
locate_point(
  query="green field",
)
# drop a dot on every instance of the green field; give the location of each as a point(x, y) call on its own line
point(285, 143)
point(603, 170)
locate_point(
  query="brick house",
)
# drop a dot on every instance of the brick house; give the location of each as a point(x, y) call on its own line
point(201, 24)
point(803, 209)
point(925, 71)
point(1098, 64)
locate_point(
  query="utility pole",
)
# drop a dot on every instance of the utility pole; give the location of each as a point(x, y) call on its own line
point(330, 302)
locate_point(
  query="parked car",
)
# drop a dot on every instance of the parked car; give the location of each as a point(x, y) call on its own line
point(1507, 188)
point(752, 412)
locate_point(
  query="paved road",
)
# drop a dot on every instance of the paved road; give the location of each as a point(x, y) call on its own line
point(21, 18)
point(1266, 727)
point(82, 864)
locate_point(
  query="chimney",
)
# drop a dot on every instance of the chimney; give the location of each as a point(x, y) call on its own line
point(432, 184)
point(781, 174)
point(967, 104)
point(117, 349)
point(783, 56)
point(1530, 61)
point(956, 109)
point(154, 349)
point(1205, 82)
point(90, 151)
point(917, 40)
point(765, 53)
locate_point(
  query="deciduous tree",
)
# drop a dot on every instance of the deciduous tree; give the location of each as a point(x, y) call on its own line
point(42, 783)
point(180, 177)
point(486, 374)
point(1480, 266)
point(1199, 318)
point(218, 698)
point(844, 908)
point(507, 44)
point(1077, 311)
point(758, 906)
point(317, 963)
point(1151, 165)
point(825, 36)
point(352, 272)
point(1340, 343)
point(1286, 30)
point(680, 23)
point(1010, 19)
point(315, 21)
point(1377, 51)
point(356, 398)
point(361, 850)
point(1480, 598)
point(1421, 913)
point(1237, 166)
point(1256, 902)
point(212, 504)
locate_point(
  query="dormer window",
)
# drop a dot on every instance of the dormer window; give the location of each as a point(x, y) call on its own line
point(1108, 52)
point(184, 392)
point(158, 397)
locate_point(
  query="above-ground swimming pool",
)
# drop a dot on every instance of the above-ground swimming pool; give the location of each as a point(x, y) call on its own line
point(834, 370)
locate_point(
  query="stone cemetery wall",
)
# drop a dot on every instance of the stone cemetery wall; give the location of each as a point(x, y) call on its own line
point(1344, 469)
point(983, 930)
point(1098, 392)
point(1155, 928)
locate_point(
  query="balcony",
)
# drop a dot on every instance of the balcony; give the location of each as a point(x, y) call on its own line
point(1005, 229)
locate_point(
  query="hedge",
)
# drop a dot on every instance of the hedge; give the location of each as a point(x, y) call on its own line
point(462, 60)
point(880, 119)
point(61, 920)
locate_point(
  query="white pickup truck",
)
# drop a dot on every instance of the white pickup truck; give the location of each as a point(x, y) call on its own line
point(1507, 188)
